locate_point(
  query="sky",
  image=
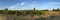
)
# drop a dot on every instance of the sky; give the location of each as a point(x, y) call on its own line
point(29, 4)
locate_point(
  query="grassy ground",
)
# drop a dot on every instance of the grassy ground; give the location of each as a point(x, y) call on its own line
point(51, 15)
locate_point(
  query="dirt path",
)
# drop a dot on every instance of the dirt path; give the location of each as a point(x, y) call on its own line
point(2, 17)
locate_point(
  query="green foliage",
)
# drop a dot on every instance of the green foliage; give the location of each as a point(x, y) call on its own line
point(43, 12)
point(56, 9)
point(12, 12)
point(24, 13)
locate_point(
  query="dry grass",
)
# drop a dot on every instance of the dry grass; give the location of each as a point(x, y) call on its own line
point(35, 17)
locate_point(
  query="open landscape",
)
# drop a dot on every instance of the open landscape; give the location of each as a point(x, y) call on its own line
point(29, 9)
point(30, 14)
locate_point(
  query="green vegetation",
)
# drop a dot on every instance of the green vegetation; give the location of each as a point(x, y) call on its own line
point(56, 9)
point(24, 12)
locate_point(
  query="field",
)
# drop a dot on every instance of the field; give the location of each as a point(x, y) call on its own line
point(30, 14)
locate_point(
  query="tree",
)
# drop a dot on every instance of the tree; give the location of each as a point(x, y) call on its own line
point(53, 9)
point(58, 9)
point(6, 9)
point(34, 9)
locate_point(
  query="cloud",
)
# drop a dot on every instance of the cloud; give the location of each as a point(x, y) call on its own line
point(53, 3)
point(15, 7)
point(22, 3)
point(12, 7)
point(1, 8)
point(35, 1)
